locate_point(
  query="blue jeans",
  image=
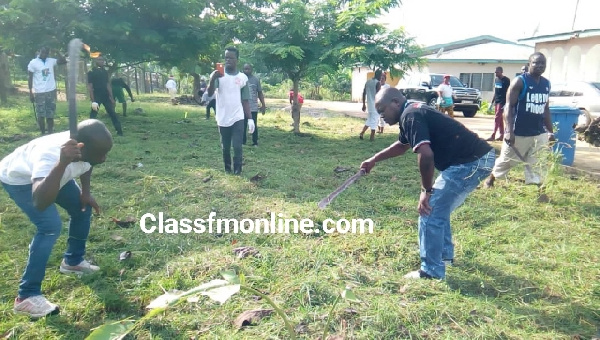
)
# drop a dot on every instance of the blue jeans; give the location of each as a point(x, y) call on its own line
point(451, 188)
point(49, 225)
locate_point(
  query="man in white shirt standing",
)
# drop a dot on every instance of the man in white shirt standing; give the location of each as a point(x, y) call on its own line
point(171, 87)
point(445, 97)
point(233, 105)
point(41, 174)
point(372, 86)
point(42, 88)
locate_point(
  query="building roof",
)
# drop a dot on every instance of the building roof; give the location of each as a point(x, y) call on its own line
point(593, 32)
point(482, 39)
point(491, 52)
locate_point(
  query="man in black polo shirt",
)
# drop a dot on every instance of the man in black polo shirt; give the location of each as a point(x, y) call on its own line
point(101, 93)
point(442, 143)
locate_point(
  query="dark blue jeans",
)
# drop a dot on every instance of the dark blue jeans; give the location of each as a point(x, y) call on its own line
point(451, 188)
point(49, 226)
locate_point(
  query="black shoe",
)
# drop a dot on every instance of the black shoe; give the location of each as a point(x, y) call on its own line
point(418, 274)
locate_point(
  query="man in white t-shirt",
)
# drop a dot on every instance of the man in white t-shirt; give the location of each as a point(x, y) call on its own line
point(42, 88)
point(233, 105)
point(445, 102)
point(171, 87)
point(41, 174)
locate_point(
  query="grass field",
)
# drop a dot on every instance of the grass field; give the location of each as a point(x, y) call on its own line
point(524, 269)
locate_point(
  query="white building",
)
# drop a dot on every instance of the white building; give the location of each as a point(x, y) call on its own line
point(570, 56)
point(473, 61)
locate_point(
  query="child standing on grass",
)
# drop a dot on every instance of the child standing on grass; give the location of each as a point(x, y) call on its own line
point(36, 176)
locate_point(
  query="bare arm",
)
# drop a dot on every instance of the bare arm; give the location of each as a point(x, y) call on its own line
point(261, 97)
point(85, 182)
point(46, 189)
point(394, 150)
point(30, 85)
point(61, 59)
point(246, 106)
point(364, 95)
point(211, 84)
point(128, 89)
point(426, 163)
point(548, 119)
point(90, 87)
point(513, 97)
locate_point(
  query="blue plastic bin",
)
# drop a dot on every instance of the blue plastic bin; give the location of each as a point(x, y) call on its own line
point(566, 118)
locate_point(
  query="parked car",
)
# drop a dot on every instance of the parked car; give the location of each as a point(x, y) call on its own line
point(423, 87)
point(581, 94)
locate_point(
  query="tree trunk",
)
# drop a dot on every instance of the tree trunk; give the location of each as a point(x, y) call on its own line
point(196, 88)
point(4, 77)
point(296, 107)
point(137, 86)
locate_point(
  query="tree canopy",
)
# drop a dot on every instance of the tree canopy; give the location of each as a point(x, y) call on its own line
point(300, 38)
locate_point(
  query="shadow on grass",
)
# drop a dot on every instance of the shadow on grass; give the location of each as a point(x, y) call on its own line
point(520, 296)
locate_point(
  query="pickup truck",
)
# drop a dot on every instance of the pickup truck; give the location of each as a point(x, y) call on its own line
point(423, 87)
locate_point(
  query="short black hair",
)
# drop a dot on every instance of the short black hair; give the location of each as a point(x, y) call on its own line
point(234, 50)
point(499, 68)
point(537, 54)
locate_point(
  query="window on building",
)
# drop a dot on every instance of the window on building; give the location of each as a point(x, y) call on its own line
point(480, 81)
point(487, 82)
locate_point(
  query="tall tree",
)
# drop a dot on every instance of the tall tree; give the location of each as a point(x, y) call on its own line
point(128, 31)
point(308, 38)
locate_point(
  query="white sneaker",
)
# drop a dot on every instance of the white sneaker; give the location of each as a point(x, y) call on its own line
point(35, 306)
point(82, 268)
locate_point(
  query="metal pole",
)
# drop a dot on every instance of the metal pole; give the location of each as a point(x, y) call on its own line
point(137, 87)
point(575, 15)
point(73, 70)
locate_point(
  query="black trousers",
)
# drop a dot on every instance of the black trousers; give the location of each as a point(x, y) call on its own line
point(255, 133)
point(232, 135)
point(213, 104)
point(110, 109)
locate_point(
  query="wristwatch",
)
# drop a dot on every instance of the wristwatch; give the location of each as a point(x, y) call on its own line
point(427, 191)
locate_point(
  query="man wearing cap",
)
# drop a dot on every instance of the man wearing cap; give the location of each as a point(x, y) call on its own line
point(446, 104)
